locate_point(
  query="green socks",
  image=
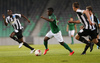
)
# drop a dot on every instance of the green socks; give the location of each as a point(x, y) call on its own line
point(67, 47)
point(46, 45)
point(72, 40)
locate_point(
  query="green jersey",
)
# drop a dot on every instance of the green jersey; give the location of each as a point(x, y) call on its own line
point(71, 26)
point(53, 25)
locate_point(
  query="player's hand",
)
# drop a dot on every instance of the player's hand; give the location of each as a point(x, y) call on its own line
point(42, 17)
point(90, 23)
point(70, 21)
point(28, 21)
point(3, 16)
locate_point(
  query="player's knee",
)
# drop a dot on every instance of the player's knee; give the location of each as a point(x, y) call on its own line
point(77, 37)
point(61, 43)
point(72, 36)
point(10, 36)
point(45, 40)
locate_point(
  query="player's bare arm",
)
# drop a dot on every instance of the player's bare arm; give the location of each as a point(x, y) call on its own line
point(81, 27)
point(25, 18)
point(99, 26)
point(3, 16)
point(67, 28)
point(75, 28)
point(88, 16)
point(50, 20)
point(74, 22)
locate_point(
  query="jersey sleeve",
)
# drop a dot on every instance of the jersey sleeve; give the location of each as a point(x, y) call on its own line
point(18, 15)
point(81, 11)
point(53, 17)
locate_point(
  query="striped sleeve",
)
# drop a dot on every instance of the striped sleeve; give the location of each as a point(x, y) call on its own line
point(19, 15)
point(81, 11)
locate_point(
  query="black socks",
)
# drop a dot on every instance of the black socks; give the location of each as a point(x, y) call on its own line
point(84, 40)
point(86, 47)
point(25, 44)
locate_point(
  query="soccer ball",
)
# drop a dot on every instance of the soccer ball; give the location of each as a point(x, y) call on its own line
point(38, 52)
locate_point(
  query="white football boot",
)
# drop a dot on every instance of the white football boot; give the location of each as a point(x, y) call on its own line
point(20, 45)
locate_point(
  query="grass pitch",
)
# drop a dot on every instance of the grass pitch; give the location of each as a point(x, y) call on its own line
point(56, 54)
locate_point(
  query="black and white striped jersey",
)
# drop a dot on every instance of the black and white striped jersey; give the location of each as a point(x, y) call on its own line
point(83, 19)
point(95, 20)
point(14, 21)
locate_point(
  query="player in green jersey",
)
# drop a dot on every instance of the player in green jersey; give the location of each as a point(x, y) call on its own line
point(54, 32)
point(70, 29)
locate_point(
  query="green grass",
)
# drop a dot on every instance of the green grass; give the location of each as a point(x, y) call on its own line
point(56, 54)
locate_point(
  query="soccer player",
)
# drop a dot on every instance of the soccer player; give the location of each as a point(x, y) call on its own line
point(89, 27)
point(97, 24)
point(13, 19)
point(54, 32)
point(70, 30)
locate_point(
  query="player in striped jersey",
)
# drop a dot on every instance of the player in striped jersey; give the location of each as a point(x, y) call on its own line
point(97, 25)
point(13, 19)
point(89, 26)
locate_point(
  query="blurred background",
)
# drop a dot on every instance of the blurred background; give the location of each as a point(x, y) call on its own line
point(37, 29)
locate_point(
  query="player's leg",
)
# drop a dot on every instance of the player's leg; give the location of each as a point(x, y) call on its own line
point(97, 45)
point(66, 46)
point(47, 37)
point(72, 35)
point(46, 42)
point(83, 40)
point(26, 45)
point(83, 32)
point(58, 36)
point(98, 40)
point(85, 49)
point(87, 46)
point(94, 37)
point(14, 38)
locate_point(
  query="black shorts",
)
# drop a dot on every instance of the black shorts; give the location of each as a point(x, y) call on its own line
point(88, 32)
point(19, 34)
point(91, 38)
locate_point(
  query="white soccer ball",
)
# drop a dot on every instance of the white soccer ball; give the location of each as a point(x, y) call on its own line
point(38, 52)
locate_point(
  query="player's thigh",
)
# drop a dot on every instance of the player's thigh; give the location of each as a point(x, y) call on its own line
point(84, 32)
point(59, 37)
point(95, 40)
point(98, 36)
point(12, 34)
point(49, 34)
point(77, 36)
point(72, 32)
point(93, 35)
point(19, 35)
point(46, 38)
point(69, 32)
point(21, 39)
